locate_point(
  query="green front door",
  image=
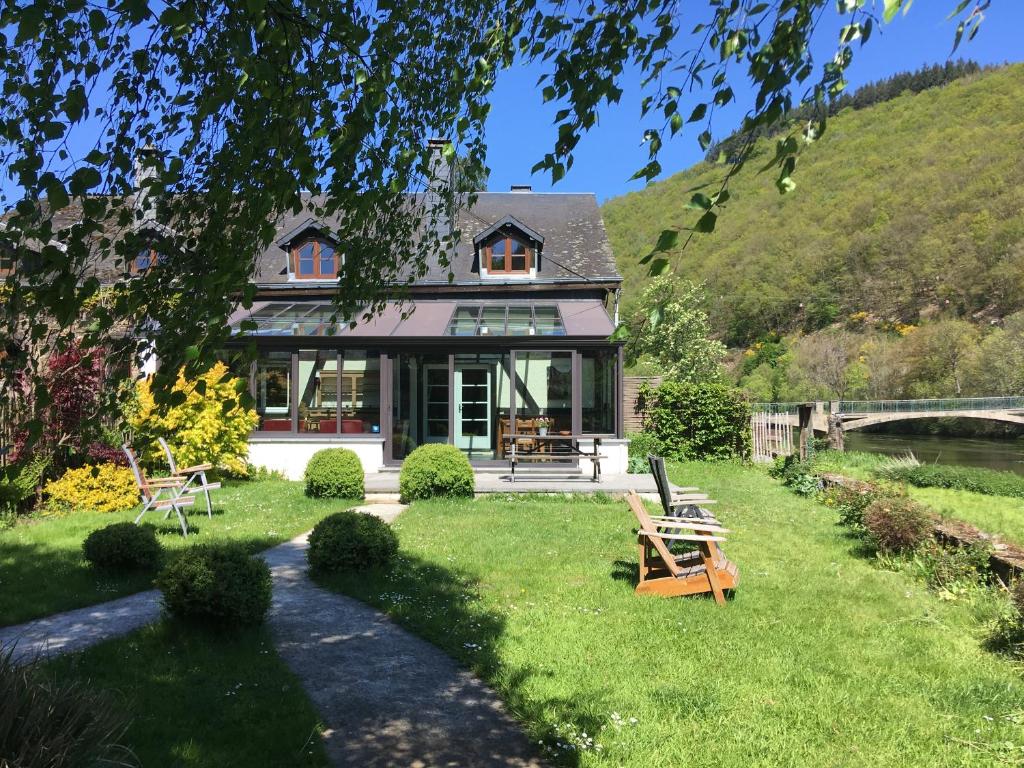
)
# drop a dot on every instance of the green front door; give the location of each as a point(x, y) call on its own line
point(473, 409)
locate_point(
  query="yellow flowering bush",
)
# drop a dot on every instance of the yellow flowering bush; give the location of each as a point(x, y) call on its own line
point(103, 488)
point(199, 430)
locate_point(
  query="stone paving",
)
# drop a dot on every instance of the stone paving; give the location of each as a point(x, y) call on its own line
point(82, 627)
point(386, 697)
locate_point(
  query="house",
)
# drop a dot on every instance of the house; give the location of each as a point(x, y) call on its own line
point(517, 341)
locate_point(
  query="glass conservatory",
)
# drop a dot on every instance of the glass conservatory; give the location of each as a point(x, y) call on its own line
point(466, 373)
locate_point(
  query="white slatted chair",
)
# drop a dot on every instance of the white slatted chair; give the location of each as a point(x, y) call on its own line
point(163, 494)
point(194, 478)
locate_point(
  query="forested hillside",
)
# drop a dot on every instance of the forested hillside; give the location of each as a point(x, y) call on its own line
point(906, 212)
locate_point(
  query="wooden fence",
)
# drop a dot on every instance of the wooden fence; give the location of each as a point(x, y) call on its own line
point(771, 435)
point(632, 411)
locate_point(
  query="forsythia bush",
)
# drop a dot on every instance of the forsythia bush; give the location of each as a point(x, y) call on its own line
point(199, 430)
point(103, 488)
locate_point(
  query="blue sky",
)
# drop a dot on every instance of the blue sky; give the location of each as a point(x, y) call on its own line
point(519, 129)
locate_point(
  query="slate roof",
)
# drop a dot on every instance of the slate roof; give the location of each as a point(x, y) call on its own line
point(575, 248)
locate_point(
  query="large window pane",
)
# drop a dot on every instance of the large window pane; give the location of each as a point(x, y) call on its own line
point(273, 391)
point(544, 392)
point(318, 391)
point(419, 402)
point(598, 391)
point(360, 392)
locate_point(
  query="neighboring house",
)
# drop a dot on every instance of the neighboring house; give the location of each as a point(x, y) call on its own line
point(519, 336)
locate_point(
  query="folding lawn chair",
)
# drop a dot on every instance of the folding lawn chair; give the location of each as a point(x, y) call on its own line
point(162, 494)
point(194, 478)
point(687, 502)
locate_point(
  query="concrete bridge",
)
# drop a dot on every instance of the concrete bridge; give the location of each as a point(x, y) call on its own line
point(838, 416)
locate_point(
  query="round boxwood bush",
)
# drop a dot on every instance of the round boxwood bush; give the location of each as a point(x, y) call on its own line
point(897, 524)
point(435, 470)
point(334, 473)
point(123, 546)
point(217, 584)
point(351, 540)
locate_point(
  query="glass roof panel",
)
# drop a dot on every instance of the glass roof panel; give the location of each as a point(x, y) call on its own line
point(506, 320)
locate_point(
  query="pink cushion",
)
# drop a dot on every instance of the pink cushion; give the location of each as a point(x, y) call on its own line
point(276, 425)
point(352, 426)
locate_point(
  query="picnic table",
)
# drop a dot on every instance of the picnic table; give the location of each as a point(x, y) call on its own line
point(555, 449)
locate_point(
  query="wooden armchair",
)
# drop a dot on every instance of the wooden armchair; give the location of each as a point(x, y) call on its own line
point(665, 574)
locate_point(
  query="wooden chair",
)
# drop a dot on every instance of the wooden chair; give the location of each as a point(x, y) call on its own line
point(194, 477)
point(667, 575)
point(163, 494)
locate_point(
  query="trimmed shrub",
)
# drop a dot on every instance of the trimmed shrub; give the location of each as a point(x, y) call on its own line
point(351, 540)
point(435, 470)
point(103, 488)
point(46, 723)
point(210, 425)
point(698, 421)
point(897, 524)
point(123, 546)
point(216, 584)
point(992, 482)
point(334, 473)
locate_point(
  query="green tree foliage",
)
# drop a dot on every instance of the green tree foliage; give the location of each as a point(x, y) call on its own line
point(236, 110)
point(670, 327)
point(697, 421)
point(876, 92)
point(902, 228)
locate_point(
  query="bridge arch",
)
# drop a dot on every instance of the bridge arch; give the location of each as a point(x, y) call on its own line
point(857, 421)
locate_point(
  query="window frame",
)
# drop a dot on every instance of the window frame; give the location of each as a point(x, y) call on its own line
point(9, 256)
point(508, 240)
point(317, 274)
point(155, 260)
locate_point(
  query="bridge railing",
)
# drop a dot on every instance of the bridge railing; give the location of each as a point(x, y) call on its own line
point(774, 407)
point(936, 404)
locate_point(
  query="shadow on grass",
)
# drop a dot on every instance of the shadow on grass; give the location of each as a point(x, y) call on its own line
point(39, 579)
point(202, 698)
point(444, 606)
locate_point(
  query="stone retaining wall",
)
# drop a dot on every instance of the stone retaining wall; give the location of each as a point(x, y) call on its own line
point(1006, 561)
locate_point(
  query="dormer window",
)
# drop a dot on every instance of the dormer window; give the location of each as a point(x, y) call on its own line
point(147, 258)
point(314, 259)
point(508, 256)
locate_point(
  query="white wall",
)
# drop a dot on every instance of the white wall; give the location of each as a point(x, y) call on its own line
point(615, 452)
point(291, 456)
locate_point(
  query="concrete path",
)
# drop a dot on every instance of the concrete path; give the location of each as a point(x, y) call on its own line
point(82, 627)
point(386, 697)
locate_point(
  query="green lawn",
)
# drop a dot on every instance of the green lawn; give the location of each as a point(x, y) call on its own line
point(201, 700)
point(1000, 515)
point(821, 659)
point(42, 570)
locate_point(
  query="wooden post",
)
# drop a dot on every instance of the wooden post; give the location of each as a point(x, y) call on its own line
point(805, 412)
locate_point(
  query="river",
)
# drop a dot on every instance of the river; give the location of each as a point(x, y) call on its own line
point(969, 451)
